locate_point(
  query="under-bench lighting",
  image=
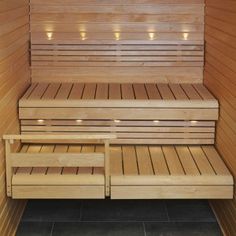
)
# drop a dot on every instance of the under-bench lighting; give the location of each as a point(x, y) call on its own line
point(40, 121)
point(151, 36)
point(185, 36)
point(83, 36)
point(49, 35)
point(79, 121)
point(117, 121)
point(117, 36)
point(194, 121)
point(156, 121)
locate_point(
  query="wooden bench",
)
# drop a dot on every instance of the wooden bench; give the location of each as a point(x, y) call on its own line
point(130, 171)
point(136, 113)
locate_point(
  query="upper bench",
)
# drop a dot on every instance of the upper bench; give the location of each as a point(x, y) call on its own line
point(138, 113)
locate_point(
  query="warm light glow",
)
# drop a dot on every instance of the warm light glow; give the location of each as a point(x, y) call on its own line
point(117, 36)
point(83, 36)
point(117, 121)
point(40, 121)
point(193, 121)
point(151, 36)
point(185, 35)
point(79, 121)
point(156, 121)
point(49, 35)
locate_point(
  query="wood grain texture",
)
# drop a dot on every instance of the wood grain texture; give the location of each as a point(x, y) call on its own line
point(106, 41)
point(15, 76)
point(219, 77)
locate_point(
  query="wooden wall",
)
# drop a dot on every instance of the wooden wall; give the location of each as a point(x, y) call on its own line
point(14, 78)
point(220, 78)
point(120, 40)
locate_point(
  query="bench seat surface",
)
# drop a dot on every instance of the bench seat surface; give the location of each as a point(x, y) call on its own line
point(117, 95)
point(137, 171)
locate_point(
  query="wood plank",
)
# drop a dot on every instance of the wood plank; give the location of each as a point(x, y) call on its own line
point(178, 92)
point(165, 92)
point(116, 160)
point(130, 160)
point(172, 160)
point(127, 91)
point(140, 91)
point(171, 192)
point(158, 160)
point(144, 160)
point(77, 91)
point(152, 91)
point(89, 91)
point(102, 91)
point(191, 92)
point(201, 160)
point(64, 91)
point(187, 161)
point(114, 91)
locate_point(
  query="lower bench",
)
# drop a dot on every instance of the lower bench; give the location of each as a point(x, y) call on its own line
point(136, 172)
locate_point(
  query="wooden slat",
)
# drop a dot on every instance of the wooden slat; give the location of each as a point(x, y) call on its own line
point(77, 91)
point(64, 91)
point(201, 161)
point(165, 92)
point(89, 91)
point(144, 161)
point(130, 160)
point(114, 91)
point(158, 161)
point(191, 92)
point(116, 161)
point(173, 162)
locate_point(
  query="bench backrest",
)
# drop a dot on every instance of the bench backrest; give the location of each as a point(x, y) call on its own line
point(121, 40)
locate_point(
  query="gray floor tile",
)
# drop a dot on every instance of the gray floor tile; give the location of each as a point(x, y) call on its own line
point(98, 229)
point(34, 229)
point(182, 229)
point(124, 210)
point(189, 211)
point(52, 210)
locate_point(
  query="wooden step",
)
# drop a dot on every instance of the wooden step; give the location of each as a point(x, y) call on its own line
point(136, 172)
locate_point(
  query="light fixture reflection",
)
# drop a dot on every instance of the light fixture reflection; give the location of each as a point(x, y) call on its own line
point(151, 35)
point(83, 35)
point(185, 35)
point(117, 36)
point(79, 121)
point(40, 121)
point(117, 121)
point(49, 35)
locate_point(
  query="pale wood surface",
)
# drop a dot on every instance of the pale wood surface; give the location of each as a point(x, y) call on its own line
point(220, 74)
point(118, 95)
point(132, 165)
point(14, 80)
point(109, 41)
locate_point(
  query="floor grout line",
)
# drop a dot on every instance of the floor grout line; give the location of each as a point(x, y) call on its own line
point(52, 228)
point(144, 229)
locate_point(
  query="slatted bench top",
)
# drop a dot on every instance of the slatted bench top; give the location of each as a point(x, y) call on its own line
point(132, 165)
point(118, 95)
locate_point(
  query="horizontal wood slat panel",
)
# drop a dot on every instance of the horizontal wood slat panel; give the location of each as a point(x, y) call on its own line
point(130, 38)
point(220, 77)
point(15, 76)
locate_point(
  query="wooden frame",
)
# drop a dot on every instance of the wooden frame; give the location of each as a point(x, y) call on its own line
point(14, 159)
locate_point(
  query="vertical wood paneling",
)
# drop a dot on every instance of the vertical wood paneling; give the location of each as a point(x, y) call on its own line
point(220, 78)
point(14, 79)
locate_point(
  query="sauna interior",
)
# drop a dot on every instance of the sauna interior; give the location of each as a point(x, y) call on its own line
point(123, 99)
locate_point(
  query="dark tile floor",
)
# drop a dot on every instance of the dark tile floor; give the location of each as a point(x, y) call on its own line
point(118, 218)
